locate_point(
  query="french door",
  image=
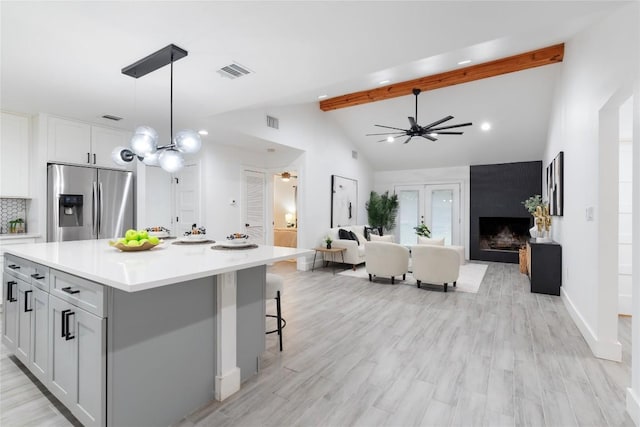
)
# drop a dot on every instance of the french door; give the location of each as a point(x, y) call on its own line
point(438, 205)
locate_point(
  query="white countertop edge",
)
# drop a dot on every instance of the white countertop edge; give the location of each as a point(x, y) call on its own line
point(157, 283)
point(11, 236)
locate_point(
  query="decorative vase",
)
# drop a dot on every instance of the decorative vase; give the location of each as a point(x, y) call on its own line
point(533, 231)
point(328, 245)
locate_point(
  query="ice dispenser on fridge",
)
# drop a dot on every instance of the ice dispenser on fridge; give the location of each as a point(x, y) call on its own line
point(70, 210)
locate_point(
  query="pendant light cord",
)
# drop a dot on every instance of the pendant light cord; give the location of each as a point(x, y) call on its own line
point(171, 101)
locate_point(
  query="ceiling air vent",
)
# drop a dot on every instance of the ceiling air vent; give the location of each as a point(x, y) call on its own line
point(234, 71)
point(272, 122)
point(110, 117)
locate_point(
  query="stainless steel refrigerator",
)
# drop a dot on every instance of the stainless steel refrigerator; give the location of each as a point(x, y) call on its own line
point(88, 203)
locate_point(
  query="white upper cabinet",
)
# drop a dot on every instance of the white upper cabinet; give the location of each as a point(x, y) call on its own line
point(69, 141)
point(80, 143)
point(14, 156)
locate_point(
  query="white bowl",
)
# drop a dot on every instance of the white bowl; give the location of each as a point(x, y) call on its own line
point(195, 237)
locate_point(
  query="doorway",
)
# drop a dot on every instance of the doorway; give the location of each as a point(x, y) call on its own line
point(285, 209)
point(437, 205)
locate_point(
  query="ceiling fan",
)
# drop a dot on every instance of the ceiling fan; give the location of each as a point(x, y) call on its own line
point(286, 176)
point(429, 131)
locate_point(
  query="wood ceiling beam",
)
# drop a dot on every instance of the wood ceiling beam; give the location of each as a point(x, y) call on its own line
point(523, 61)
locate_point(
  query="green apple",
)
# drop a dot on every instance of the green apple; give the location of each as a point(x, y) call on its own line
point(154, 240)
point(143, 234)
point(131, 235)
point(122, 240)
point(143, 241)
point(133, 243)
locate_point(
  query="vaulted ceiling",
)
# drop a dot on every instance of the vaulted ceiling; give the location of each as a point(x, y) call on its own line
point(65, 58)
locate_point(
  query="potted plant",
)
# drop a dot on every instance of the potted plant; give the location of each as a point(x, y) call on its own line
point(422, 230)
point(327, 241)
point(382, 210)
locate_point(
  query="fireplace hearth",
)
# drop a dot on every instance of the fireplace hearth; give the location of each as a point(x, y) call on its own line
point(503, 234)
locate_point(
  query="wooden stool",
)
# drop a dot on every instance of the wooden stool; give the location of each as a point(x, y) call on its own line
point(273, 291)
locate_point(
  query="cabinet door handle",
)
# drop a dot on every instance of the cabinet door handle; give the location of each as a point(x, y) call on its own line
point(67, 314)
point(89, 158)
point(37, 276)
point(26, 300)
point(69, 291)
point(10, 297)
point(14, 267)
point(63, 322)
point(94, 159)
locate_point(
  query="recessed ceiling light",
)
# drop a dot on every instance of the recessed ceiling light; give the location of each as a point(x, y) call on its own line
point(384, 82)
point(390, 139)
point(322, 96)
point(203, 132)
point(466, 61)
point(485, 126)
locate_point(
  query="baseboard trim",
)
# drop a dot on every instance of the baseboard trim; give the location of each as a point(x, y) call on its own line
point(227, 384)
point(603, 350)
point(633, 406)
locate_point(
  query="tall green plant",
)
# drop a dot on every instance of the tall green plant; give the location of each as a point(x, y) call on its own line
point(382, 210)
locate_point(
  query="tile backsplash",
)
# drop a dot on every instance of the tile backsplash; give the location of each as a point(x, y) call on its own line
point(11, 209)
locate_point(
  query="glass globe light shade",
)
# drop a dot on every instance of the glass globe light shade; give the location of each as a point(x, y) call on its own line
point(151, 159)
point(144, 141)
point(121, 156)
point(188, 141)
point(171, 160)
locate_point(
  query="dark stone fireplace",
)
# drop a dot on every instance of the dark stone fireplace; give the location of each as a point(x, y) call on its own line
point(503, 233)
point(498, 223)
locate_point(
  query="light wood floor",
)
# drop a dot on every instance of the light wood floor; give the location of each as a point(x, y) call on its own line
point(365, 354)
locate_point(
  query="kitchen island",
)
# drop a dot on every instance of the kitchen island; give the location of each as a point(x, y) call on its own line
point(137, 338)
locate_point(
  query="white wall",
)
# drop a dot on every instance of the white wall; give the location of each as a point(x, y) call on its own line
point(387, 180)
point(599, 72)
point(327, 151)
point(625, 228)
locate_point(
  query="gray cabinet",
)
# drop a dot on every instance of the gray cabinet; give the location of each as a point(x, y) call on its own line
point(77, 360)
point(10, 312)
point(39, 360)
point(23, 335)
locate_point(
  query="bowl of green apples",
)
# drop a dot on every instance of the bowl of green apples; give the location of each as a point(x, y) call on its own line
point(135, 241)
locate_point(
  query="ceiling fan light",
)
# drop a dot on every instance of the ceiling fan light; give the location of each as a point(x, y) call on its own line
point(188, 141)
point(171, 160)
point(433, 134)
point(390, 139)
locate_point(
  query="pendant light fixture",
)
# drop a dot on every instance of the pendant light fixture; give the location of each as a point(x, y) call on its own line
point(144, 143)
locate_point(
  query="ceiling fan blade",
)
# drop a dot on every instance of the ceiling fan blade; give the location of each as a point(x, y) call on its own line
point(390, 127)
point(413, 123)
point(450, 127)
point(429, 137)
point(388, 133)
point(449, 133)
point(437, 122)
point(408, 139)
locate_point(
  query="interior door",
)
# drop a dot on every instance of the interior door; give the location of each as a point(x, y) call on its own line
point(442, 212)
point(410, 212)
point(254, 189)
point(187, 200)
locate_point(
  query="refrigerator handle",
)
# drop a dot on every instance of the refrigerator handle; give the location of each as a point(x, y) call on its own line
point(101, 206)
point(95, 209)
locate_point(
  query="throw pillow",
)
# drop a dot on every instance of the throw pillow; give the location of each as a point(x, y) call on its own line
point(352, 236)
point(387, 238)
point(430, 241)
point(343, 234)
point(368, 231)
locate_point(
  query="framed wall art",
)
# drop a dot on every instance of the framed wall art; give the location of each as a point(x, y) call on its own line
point(555, 185)
point(344, 201)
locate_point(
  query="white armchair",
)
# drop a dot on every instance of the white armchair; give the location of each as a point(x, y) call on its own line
point(386, 259)
point(435, 265)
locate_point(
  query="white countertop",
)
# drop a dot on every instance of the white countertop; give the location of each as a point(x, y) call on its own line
point(136, 271)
